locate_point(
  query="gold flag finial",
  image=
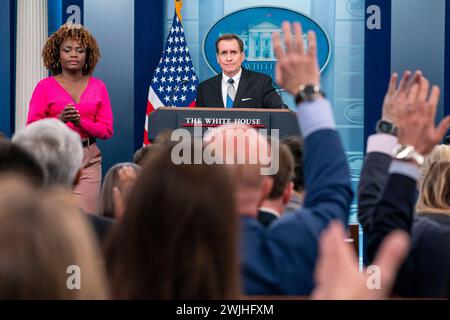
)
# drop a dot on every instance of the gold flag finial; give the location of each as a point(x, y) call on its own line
point(178, 5)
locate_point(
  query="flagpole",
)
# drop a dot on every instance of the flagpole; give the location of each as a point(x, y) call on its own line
point(178, 6)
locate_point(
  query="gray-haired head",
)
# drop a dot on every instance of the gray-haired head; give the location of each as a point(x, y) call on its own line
point(56, 147)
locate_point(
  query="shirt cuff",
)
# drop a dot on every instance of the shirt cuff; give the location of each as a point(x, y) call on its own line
point(314, 116)
point(381, 142)
point(408, 169)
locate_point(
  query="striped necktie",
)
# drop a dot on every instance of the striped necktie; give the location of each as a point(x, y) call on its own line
point(231, 93)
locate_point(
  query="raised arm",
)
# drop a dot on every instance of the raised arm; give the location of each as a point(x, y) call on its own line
point(417, 132)
point(294, 238)
point(374, 173)
point(327, 178)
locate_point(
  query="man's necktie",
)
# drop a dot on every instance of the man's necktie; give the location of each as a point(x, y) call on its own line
point(231, 93)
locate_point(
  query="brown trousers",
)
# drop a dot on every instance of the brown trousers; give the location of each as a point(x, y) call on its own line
point(87, 192)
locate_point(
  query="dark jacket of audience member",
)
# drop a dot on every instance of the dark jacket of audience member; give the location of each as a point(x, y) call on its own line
point(177, 239)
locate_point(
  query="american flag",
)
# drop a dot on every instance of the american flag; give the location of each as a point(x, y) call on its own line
point(174, 81)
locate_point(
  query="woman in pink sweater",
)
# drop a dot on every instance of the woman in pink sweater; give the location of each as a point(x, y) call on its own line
point(76, 98)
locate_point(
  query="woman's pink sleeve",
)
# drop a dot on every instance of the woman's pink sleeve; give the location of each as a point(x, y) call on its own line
point(38, 104)
point(102, 126)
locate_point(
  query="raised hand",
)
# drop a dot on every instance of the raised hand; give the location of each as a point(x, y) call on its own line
point(295, 67)
point(396, 96)
point(337, 274)
point(416, 118)
point(126, 178)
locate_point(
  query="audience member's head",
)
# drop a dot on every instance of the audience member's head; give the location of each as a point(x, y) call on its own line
point(162, 138)
point(57, 148)
point(15, 160)
point(46, 248)
point(2, 136)
point(434, 196)
point(116, 188)
point(177, 238)
point(282, 179)
point(250, 186)
point(282, 189)
point(140, 154)
point(295, 144)
point(440, 152)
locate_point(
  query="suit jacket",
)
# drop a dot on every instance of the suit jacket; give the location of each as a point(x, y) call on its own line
point(281, 259)
point(386, 202)
point(266, 217)
point(255, 91)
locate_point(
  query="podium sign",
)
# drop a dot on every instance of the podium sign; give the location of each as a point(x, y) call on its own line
point(168, 118)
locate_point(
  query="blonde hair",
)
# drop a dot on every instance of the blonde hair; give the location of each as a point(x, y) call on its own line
point(434, 194)
point(42, 236)
point(439, 153)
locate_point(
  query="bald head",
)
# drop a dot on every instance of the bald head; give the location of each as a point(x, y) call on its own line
point(247, 155)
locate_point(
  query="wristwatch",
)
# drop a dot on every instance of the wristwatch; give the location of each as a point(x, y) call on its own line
point(406, 152)
point(384, 126)
point(308, 92)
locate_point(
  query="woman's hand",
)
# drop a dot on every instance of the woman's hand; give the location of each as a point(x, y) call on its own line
point(70, 114)
point(127, 176)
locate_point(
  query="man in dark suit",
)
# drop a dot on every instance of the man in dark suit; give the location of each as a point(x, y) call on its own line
point(235, 86)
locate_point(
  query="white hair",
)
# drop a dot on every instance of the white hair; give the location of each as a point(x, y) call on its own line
point(56, 147)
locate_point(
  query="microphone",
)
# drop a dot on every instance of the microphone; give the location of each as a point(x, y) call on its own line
point(278, 89)
point(176, 88)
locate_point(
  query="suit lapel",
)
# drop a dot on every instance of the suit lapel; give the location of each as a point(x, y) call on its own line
point(243, 84)
point(218, 89)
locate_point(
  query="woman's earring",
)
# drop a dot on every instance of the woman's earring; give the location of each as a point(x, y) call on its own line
point(58, 65)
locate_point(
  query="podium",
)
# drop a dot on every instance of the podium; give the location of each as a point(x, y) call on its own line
point(171, 118)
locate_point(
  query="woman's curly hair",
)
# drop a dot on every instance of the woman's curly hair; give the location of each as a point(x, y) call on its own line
point(77, 32)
